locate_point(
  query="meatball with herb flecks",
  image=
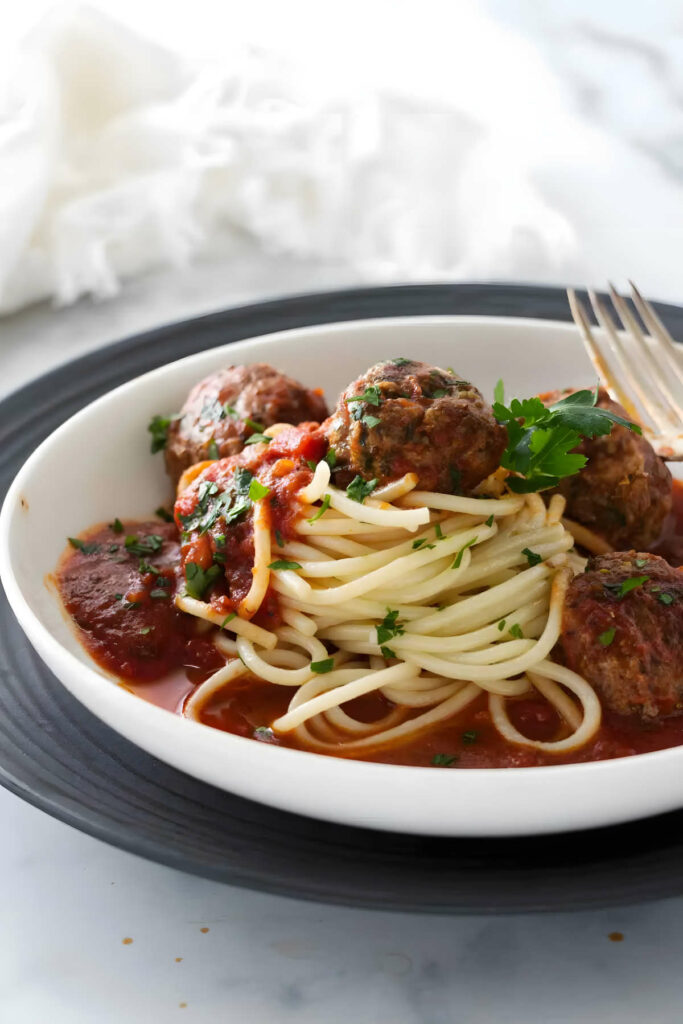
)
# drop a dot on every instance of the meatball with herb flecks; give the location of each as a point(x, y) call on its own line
point(228, 407)
point(623, 492)
point(404, 416)
point(622, 630)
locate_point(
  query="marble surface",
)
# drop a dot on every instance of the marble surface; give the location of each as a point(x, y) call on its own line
point(91, 934)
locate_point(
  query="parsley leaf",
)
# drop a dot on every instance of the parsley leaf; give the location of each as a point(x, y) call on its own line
point(371, 395)
point(258, 439)
point(400, 361)
point(258, 427)
point(489, 521)
point(197, 580)
point(387, 652)
point(331, 458)
point(158, 428)
point(257, 490)
point(532, 557)
point(228, 618)
point(389, 628)
point(148, 545)
point(457, 561)
point(542, 439)
point(516, 631)
point(444, 760)
point(212, 450)
point(116, 526)
point(164, 514)
point(607, 637)
point(321, 667)
point(359, 489)
point(324, 505)
point(470, 736)
point(665, 598)
point(626, 586)
point(370, 421)
point(282, 563)
point(87, 549)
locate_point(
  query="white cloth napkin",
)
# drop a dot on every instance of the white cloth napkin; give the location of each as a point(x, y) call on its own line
point(117, 156)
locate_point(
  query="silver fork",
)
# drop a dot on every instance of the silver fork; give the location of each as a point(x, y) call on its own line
point(641, 368)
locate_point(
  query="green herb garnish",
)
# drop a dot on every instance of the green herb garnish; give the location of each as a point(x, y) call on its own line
point(228, 618)
point(370, 421)
point(620, 590)
point(470, 736)
point(148, 545)
point(258, 439)
point(457, 562)
point(164, 514)
point(324, 505)
point(516, 631)
point(212, 450)
point(387, 653)
point(501, 625)
point(389, 628)
point(665, 598)
point(321, 667)
point(80, 545)
point(159, 594)
point(607, 637)
point(279, 539)
point(359, 489)
point(489, 521)
point(257, 490)
point(197, 580)
point(282, 563)
point(158, 428)
point(371, 395)
point(116, 526)
point(331, 458)
point(531, 556)
point(444, 760)
point(542, 439)
point(258, 427)
point(401, 361)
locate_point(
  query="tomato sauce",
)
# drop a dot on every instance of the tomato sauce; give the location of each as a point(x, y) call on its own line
point(118, 586)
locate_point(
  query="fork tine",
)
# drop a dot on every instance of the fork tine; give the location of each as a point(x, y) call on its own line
point(597, 357)
point(670, 409)
point(658, 332)
point(632, 381)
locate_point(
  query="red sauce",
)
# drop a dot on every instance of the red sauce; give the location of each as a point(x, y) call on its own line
point(132, 629)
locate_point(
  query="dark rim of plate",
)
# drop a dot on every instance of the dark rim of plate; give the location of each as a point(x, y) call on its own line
point(58, 756)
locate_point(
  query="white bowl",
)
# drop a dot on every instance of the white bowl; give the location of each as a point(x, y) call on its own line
point(97, 465)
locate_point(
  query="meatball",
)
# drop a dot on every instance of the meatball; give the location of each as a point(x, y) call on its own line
point(405, 416)
point(225, 408)
point(624, 491)
point(622, 629)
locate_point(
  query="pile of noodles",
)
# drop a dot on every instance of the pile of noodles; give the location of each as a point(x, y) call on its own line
point(473, 589)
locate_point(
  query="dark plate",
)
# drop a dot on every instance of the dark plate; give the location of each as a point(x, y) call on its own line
point(59, 757)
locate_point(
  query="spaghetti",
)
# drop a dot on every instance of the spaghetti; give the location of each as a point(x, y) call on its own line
point(428, 599)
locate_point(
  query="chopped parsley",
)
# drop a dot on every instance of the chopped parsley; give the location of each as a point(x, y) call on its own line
point(439, 393)
point(421, 542)
point(439, 532)
point(389, 628)
point(258, 439)
point(164, 514)
point(145, 630)
point(501, 625)
point(144, 568)
point(444, 760)
point(322, 667)
point(116, 526)
point(489, 521)
point(359, 489)
point(457, 561)
point(324, 505)
point(264, 734)
point(228, 618)
point(387, 653)
point(228, 410)
point(401, 361)
point(516, 631)
point(279, 539)
point(640, 562)
point(469, 737)
point(148, 545)
point(258, 427)
point(311, 465)
point(370, 421)
point(620, 590)
point(607, 637)
point(257, 490)
point(197, 580)
point(331, 458)
point(371, 395)
point(212, 450)
point(159, 594)
point(158, 428)
point(531, 556)
point(665, 598)
point(282, 563)
point(542, 439)
point(80, 545)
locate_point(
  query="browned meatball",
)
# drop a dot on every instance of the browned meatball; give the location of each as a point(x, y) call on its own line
point(624, 491)
point(627, 642)
point(227, 407)
point(404, 416)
